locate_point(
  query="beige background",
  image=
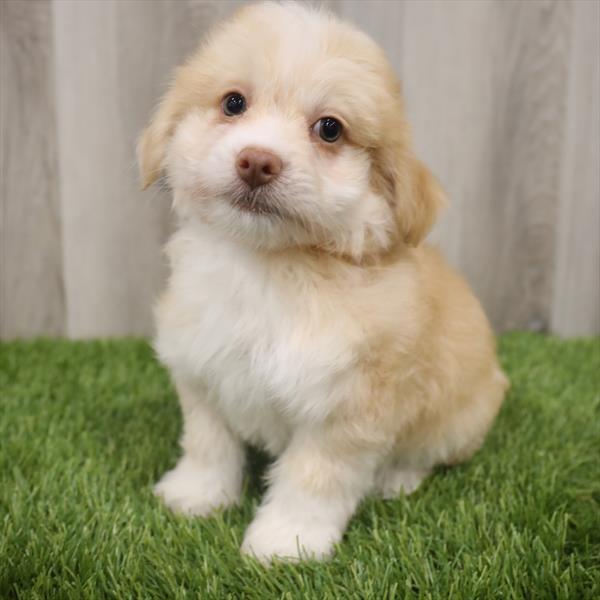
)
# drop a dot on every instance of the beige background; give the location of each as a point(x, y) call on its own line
point(504, 101)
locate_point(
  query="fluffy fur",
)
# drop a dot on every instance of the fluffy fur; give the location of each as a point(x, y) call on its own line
point(322, 330)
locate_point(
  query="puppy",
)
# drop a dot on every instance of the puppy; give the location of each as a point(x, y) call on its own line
point(303, 314)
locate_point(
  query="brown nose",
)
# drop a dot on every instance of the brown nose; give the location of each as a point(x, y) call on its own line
point(257, 167)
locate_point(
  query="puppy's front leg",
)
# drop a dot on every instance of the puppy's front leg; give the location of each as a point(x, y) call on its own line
point(316, 486)
point(209, 474)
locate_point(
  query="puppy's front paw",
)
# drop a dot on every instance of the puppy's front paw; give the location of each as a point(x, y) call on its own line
point(279, 534)
point(193, 490)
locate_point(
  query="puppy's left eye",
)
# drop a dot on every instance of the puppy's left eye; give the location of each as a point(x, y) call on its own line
point(328, 129)
point(234, 104)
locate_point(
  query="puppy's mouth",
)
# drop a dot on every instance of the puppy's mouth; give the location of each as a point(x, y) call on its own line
point(257, 202)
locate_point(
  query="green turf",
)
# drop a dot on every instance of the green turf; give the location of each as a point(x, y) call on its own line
point(86, 428)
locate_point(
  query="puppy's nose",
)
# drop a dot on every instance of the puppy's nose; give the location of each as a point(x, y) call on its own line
point(257, 167)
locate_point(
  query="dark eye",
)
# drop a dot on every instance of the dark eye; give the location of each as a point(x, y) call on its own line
point(234, 104)
point(328, 128)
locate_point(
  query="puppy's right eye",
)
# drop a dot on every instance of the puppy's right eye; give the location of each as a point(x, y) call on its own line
point(234, 104)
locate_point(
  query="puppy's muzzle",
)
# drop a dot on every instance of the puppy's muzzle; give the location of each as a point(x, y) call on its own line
point(257, 167)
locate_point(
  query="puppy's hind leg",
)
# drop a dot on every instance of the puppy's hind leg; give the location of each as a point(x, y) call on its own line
point(209, 474)
point(456, 440)
point(394, 479)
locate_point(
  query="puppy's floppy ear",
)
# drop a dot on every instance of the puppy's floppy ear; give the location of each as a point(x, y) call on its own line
point(154, 139)
point(414, 193)
point(419, 201)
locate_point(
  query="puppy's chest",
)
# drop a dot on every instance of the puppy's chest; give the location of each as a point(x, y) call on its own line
point(262, 344)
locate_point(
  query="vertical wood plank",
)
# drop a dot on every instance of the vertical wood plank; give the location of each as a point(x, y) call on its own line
point(529, 124)
point(112, 235)
point(509, 246)
point(114, 59)
point(576, 309)
point(381, 19)
point(31, 289)
point(485, 86)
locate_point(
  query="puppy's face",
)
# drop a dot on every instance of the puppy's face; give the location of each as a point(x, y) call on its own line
point(286, 129)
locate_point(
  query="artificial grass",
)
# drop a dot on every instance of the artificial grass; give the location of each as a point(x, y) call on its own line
point(86, 428)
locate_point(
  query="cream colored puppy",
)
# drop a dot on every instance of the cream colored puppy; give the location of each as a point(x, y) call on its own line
point(303, 314)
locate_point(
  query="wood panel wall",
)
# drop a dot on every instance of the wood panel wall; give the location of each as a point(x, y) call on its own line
point(503, 97)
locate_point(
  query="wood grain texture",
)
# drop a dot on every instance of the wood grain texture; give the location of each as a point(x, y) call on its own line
point(513, 255)
point(31, 290)
point(502, 96)
point(576, 301)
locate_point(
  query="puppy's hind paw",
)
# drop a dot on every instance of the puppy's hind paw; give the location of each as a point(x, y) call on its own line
point(394, 481)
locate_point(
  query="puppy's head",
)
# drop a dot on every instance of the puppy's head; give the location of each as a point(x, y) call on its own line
point(285, 129)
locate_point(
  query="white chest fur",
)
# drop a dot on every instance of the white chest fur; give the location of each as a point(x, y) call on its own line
point(262, 338)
